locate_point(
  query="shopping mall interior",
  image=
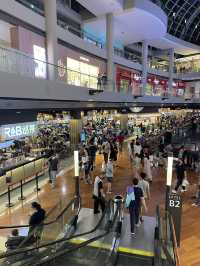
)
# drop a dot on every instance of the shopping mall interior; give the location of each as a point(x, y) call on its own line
point(99, 132)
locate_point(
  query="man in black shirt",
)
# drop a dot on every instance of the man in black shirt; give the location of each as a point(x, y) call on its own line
point(180, 174)
point(36, 220)
point(53, 169)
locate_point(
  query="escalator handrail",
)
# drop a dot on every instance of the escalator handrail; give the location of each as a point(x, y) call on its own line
point(23, 250)
point(44, 224)
point(81, 245)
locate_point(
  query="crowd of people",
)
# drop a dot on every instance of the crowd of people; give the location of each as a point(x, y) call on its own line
point(145, 152)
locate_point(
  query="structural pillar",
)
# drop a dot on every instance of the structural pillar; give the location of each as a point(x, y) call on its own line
point(171, 71)
point(110, 52)
point(123, 121)
point(51, 36)
point(144, 66)
point(75, 128)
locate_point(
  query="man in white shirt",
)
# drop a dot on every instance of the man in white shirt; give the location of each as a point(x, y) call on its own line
point(144, 185)
point(98, 195)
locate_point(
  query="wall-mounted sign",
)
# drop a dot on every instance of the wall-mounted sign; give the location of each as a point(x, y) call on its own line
point(16, 131)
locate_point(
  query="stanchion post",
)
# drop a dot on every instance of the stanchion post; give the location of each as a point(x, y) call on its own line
point(37, 183)
point(9, 204)
point(21, 191)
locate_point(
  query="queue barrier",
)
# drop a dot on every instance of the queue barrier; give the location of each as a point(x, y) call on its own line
point(21, 183)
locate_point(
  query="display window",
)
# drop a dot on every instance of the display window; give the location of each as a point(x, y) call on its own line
point(81, 73)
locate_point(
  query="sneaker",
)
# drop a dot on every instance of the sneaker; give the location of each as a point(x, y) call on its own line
point(133, 234)
point(183, 190)
point(194, 205)
point(174, 191)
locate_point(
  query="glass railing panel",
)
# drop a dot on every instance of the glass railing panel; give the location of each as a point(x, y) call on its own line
point(43, 234)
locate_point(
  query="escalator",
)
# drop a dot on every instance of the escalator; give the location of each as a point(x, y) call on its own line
point(100, 248)
point(51, 242)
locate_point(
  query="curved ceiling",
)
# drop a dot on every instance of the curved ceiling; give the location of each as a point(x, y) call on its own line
point(140, 21)
point(183, 18)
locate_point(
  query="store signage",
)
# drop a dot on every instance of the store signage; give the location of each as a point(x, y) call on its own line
point(16, 131)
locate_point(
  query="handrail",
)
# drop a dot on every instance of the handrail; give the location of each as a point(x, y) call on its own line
point(44, 224)
point(85, 243)
point(23, 250)
point(174, 240)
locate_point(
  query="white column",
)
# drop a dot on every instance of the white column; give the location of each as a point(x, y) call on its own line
point(51, 36)
point(110, 51)
point(171, 71)
point(144, 65)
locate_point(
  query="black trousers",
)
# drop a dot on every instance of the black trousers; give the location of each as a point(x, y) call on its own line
point(98, 201)
point(134, 212)
point(179, 183)
point(105, 155)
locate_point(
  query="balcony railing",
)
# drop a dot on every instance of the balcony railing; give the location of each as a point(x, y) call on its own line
point(16, 62)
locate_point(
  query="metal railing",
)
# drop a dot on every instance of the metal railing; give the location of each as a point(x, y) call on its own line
point(16, 62)
point(51, 229)
point(166, 251)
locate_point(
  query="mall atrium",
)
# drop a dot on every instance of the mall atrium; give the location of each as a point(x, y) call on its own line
point(99, 132)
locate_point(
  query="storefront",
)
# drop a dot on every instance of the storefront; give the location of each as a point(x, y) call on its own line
point(188, 64)
point(79, 69)
point(128, 80)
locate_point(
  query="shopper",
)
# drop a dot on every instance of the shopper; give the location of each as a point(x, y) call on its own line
point(99, 81)
point(53, 169)
point(181, 174)
point(197, 202)
point(147, 167)
point(134, 205)
point(136, 165)
point(98, 194)
point(92, 149)
point(113, 152)
point(36, 220)
point(144, 185)
point(14, 240)
point(137, 147)
point(106, 150)
point(109, 175)
point(120, 139)
point(130, 151)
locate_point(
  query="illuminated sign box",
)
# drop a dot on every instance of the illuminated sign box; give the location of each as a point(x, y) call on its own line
point(16, 131)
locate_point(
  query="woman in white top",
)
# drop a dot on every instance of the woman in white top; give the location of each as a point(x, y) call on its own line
point(137, 148)
point(136, 165)
point(147, 167)
point(109, 175)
